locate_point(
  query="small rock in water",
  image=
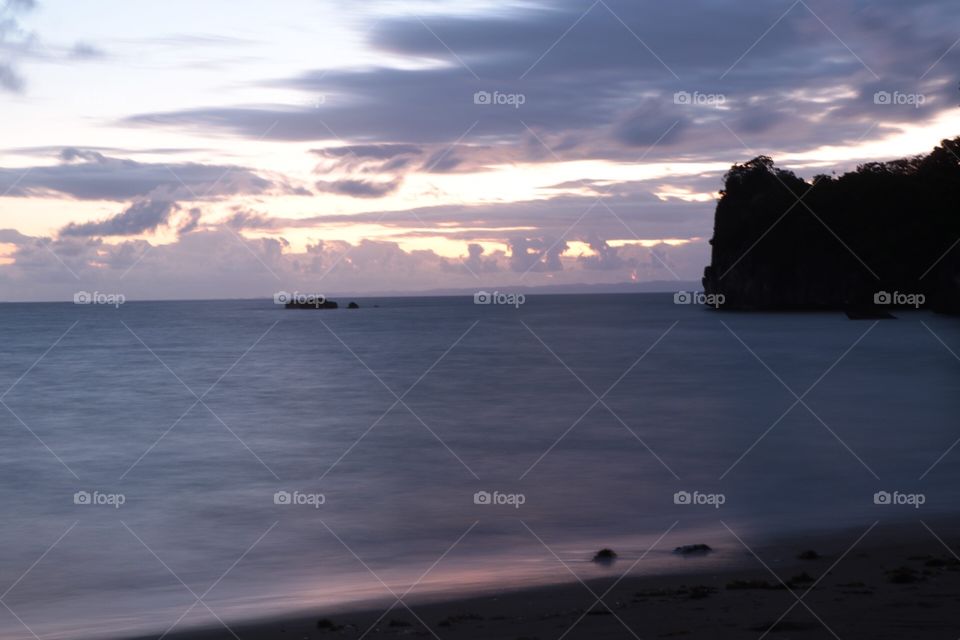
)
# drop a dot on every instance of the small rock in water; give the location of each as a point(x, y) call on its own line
point(809, 554)
point(605, 556)
point(353, 305)
point(689, 549)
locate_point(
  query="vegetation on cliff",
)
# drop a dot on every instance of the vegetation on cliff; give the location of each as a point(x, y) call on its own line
point(781, 242)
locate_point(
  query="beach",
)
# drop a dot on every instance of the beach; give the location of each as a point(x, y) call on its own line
point(886, 580)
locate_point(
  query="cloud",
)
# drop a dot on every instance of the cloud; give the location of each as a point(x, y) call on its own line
point(86, 174)
point(369, 151)
point(358, 188)
point(14, 42)
point(138, 218)
point(85, 51)
point(245, 219)
point(210, 263)
point(191, 222)
point(605, 90)
point(637, 213)
point(10, 79)
point(607, 87)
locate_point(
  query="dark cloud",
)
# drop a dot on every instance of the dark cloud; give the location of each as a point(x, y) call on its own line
point(536, 254)
point(90, 175)
point(191, 222)
point(138, 218)
point(358, 188)
point(244, 219)
point(605, 258)
point(476, 263)
point(606, 88)
point(371, 151)
point(59, 150)
point(651, 123)
point(389, 162)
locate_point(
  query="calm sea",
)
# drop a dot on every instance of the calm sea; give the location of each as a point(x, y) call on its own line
point(179, 462)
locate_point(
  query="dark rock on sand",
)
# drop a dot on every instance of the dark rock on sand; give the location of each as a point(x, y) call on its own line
point(903, 575)
point(942, 562)
point(752, 584)
point(700, 591)
point(449, 621)
point(327, 624)
point(605, 556)
point(784, 625)
point(693, 549)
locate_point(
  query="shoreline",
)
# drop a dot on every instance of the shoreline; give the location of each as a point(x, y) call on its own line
point(898, 580)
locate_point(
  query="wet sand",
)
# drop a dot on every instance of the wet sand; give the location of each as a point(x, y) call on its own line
point(898, 581)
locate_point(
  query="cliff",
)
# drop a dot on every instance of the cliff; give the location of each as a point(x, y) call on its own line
point(886, 234)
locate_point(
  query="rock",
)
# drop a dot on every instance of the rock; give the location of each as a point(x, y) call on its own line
point(353, 305)
point(902, 575)
point(692, 549)
point(460, 617)
point(700, 591)
point(326, 623)
point(753, 584)
point(605, 556)
point(809, 554)
point(326, 304)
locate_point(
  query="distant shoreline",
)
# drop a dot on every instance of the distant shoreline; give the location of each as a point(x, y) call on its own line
point(621, 288)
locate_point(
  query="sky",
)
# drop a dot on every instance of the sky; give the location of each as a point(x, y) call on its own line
point(221, 149)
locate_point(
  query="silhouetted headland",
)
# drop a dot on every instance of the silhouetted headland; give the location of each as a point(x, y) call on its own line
point(880, 237)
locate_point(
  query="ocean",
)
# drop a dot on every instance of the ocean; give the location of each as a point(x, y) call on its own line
point(169, 464)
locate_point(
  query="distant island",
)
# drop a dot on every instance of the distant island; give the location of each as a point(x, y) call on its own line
point(885, 235)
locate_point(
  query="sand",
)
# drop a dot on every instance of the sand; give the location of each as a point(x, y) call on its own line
point(899, 581)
